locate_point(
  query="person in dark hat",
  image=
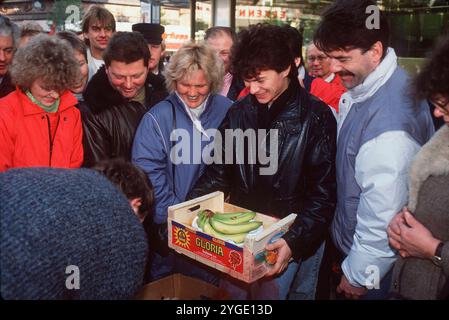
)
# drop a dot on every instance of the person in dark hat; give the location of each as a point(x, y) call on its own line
point(153, 34)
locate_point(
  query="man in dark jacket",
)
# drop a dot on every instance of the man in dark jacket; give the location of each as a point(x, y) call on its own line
point(9, 37)
point(302, 177)
point(118, 95)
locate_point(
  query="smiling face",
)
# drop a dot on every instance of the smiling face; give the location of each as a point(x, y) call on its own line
point(222, 44)
point(193, 88)
point(43, 94)
point(317, 62)
point(268, 85)
point(353, 66)
point(84, 68)
point(127, 78)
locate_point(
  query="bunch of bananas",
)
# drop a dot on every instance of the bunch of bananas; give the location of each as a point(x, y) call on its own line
point(228, 226)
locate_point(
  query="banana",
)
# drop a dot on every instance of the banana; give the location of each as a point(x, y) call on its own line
point(230, 215)
point(237, 238)
point(235, 219)
point(225, 228)
point(201, 220)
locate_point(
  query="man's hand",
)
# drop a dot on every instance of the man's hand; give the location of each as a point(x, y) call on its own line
point(284, 253)
point(349, 290)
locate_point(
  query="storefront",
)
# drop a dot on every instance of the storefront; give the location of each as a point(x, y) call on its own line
point(415, 24)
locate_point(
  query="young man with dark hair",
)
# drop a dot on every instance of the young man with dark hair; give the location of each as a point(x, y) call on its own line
point(98, 26)
point(221, 39)
point(118, 96)
point(380, 129)
point(301, 175)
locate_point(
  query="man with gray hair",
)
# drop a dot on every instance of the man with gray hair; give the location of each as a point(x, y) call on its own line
point(221, 39)
point(9, 35)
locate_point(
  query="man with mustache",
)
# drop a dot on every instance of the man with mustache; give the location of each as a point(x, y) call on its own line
point(9, 37)
point(380, 129)
point(98, 27)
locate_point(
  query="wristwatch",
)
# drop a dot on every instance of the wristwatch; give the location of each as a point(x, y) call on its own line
point(436, 259)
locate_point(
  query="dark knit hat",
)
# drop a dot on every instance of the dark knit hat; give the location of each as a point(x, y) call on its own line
point(52, 220)
point(152, 32)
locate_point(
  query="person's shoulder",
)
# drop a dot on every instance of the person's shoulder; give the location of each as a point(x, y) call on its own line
point(222, 100)
point(242, 104)
point(10, 103)
point(161, 112)
point(317, 106)
point(162, 107)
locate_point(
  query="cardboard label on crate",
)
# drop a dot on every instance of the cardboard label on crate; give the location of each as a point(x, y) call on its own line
point(213, 249)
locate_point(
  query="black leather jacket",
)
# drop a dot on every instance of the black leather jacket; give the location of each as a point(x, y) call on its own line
point(111, 122)
point(304, 182)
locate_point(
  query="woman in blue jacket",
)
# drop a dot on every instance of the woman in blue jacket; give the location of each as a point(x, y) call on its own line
point(189, 116)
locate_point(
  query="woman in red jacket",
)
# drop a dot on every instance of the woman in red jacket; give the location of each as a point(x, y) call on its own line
point(39, 124)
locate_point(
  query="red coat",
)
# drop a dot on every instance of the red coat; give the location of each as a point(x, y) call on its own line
point(25, 134)
point(330, 92)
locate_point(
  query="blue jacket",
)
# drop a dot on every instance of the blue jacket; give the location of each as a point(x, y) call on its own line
point(152, 145)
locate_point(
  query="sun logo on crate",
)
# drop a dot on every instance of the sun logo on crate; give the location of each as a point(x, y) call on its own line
point(182, 238)
point(235, 259)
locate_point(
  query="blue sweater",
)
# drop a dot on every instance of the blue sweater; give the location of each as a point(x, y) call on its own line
point(152, 145)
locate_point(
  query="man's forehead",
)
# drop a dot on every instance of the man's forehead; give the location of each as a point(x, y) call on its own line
point(119, 67)
point(6, 41)
point(221, 38)
point(259, 74)
point(341, 53)
point(313, 49)
point(100, 24)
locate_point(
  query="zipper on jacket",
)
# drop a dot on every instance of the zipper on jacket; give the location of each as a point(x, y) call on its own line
point(50, 139)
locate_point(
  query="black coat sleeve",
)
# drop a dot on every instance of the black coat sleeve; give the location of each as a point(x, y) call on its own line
point(95, 139)
point(318, 207)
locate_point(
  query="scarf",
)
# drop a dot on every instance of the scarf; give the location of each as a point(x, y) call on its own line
point(51, 109)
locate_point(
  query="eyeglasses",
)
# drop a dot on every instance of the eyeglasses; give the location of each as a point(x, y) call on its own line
point(441, 105)
point(319, 58)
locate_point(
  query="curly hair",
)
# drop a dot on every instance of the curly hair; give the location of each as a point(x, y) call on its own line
point(47, 58)
point(434, 77)
point(344, 27)
point(262, 47)
point(190, 58)
point(131, 180)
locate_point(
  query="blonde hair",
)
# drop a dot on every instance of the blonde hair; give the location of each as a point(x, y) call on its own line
point(190, 58)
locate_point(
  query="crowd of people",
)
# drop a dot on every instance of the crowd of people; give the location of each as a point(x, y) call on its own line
point(348, 143)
